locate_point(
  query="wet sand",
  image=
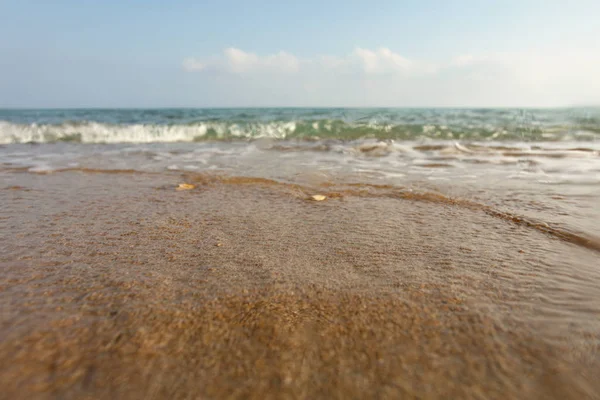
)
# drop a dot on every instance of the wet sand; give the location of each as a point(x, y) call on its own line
point(119, 286)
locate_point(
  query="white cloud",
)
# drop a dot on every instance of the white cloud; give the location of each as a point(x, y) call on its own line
point(463, 60)
point(240, 61)
point(367, 77)
point(237, 61)
point(380, 61)
point(189, 64)
point(383, 60)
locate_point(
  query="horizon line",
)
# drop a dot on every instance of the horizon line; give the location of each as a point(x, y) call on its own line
point(27, 108)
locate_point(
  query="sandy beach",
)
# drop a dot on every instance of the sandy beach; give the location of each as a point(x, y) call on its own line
point(117, 285)
point(206, 200)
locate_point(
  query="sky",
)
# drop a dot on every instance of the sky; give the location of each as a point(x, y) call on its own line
point(258, 53)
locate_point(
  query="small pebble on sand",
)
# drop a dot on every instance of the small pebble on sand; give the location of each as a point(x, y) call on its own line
point(185, 186)
point(318, 197)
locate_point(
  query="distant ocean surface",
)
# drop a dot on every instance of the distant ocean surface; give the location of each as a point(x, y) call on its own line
point(187, 125)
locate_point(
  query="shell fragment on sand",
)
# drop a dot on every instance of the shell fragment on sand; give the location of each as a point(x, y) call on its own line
point(318, 197)
point(185, 186)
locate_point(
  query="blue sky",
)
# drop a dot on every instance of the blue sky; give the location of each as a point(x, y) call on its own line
point(307, 53)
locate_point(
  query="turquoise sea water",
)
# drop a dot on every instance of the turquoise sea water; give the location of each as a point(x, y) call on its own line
point(184, 125)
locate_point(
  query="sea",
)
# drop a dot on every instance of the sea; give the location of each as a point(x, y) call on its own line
point(542, 164)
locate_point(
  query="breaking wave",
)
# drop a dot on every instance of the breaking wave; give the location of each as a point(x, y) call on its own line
point(97, 132)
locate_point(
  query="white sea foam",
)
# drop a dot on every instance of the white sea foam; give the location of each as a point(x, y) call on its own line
point(92, 132)
point(254, 128)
